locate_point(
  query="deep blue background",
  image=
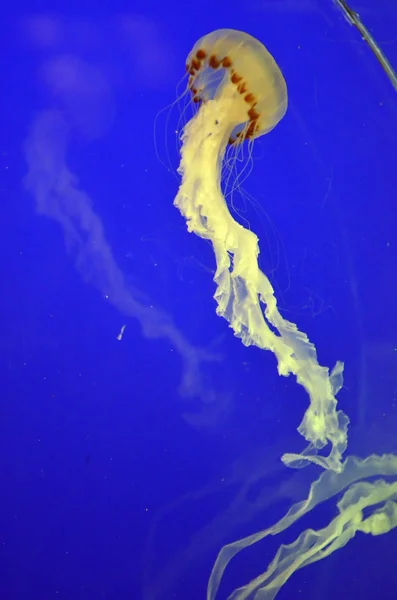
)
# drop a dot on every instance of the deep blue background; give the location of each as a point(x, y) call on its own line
point(115, 482)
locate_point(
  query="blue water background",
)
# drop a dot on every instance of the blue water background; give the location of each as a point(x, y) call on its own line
point(125, 464)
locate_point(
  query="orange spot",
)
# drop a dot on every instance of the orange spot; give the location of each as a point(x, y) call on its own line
point(196, 64)
point(213, 62)
point(252, 127)
point(250, 98)
point(236, 78)
point(253, 115)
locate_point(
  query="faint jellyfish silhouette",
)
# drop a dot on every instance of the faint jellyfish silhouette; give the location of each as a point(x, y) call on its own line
point(83, 104)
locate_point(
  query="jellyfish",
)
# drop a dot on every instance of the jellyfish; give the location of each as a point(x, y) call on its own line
point(241, 94)
point(365, 506)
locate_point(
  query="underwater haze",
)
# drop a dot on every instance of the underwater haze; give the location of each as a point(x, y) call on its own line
point(198, 319)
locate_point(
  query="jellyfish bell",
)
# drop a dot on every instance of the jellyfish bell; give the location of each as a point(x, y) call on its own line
point(235, 68)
